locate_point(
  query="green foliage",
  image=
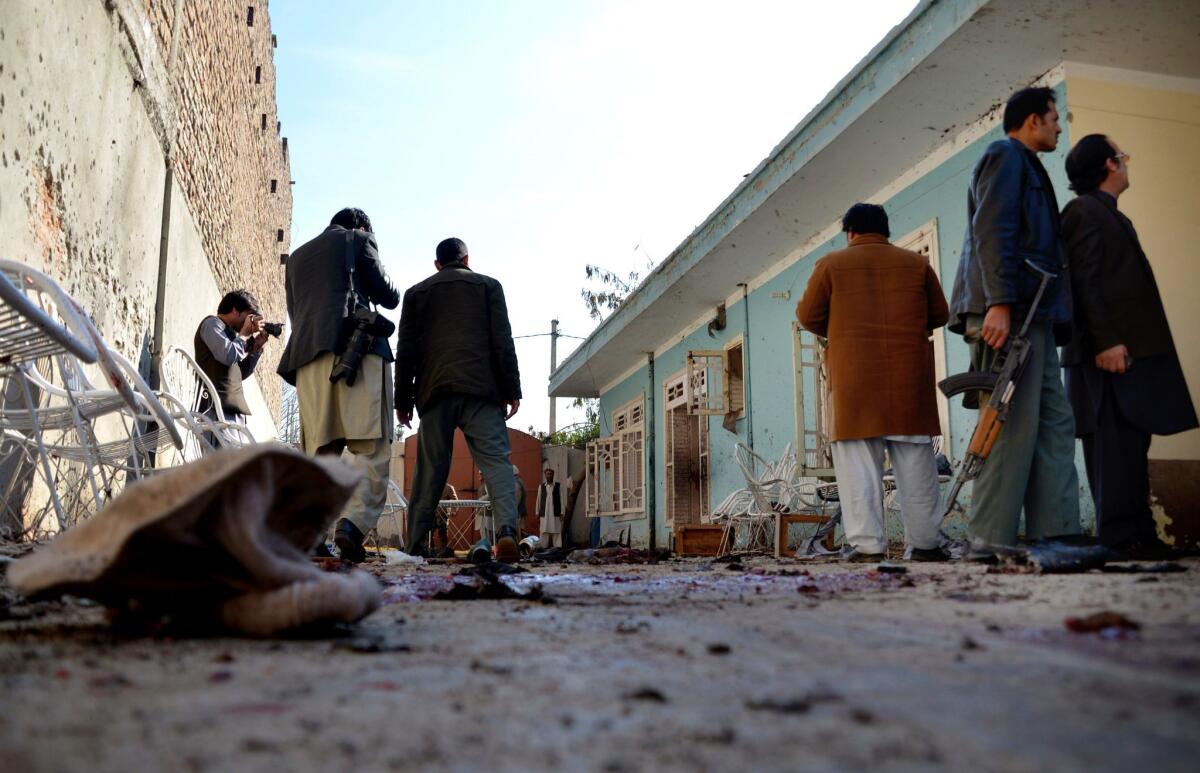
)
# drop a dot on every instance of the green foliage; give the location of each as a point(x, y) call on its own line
point(577, 434)
point(613, 289)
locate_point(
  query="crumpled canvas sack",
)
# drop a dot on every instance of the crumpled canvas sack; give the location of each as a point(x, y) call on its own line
point(225, 540)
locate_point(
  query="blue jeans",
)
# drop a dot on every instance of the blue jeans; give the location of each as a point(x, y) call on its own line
point(482, 423)
point(1032, 465)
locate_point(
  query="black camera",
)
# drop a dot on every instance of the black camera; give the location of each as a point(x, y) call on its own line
point(274, 329)
point(366, 325)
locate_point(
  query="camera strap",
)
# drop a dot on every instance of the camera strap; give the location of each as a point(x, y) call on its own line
point(351, 298)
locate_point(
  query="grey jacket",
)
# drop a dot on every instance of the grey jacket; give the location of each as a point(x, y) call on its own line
point(455, 338)
point(1011, 218)
point(316, 285)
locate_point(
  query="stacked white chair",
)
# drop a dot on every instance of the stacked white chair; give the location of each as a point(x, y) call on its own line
point(67, 445)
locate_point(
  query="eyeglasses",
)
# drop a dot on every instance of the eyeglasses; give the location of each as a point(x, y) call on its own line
point(1123, 158)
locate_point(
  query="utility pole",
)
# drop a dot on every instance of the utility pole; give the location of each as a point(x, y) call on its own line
point(553, 365)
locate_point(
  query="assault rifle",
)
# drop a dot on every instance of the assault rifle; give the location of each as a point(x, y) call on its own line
point(1001, 380)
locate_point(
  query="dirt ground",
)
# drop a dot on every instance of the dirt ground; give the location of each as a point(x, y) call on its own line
point(768, 665)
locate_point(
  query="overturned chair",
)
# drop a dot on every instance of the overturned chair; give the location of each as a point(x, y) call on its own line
point(66, 445)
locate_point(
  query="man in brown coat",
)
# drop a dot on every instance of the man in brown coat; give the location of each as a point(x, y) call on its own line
point(877, 305)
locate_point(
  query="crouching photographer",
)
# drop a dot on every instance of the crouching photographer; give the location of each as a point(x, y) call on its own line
point(227, 347)
point(339, 360)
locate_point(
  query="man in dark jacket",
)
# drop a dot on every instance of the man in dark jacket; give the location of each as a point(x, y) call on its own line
point(1012, 217)
point(1123, 374)
point(334, 416)
point(457, 364)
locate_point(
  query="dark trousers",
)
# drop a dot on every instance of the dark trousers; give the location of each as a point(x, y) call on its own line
point(483, 425)
point(1119, 475)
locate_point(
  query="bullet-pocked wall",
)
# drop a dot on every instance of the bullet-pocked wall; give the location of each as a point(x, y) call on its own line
point(91, 106)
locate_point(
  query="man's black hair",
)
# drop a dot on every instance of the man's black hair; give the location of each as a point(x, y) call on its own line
point(451, 250)
point(351, 218)
point(1087, 163)
point(866, 219)
point(1035, 100)
point(237, 300)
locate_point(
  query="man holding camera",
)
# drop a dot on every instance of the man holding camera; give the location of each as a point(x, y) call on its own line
point(227, 346)
point(456, 363)
point(338, 359)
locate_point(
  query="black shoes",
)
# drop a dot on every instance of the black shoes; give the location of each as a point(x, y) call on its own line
point(506, 546)
point(349, 542)
point(481, 552)
point(856, 556)
point(927, 554)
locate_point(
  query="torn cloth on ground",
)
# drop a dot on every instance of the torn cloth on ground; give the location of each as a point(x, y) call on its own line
point(220, 542)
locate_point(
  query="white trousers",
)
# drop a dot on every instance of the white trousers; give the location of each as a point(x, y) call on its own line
point(859, 468)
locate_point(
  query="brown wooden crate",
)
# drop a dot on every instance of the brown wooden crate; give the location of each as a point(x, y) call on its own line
point(698, 540)
point(781, 529)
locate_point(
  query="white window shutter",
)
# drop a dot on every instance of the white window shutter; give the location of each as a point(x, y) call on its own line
point(703, 382)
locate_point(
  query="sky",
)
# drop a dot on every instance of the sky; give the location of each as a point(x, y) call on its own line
point(547, 135)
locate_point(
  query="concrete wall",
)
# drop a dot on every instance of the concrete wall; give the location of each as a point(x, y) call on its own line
point(940, 192)
point(88, 114)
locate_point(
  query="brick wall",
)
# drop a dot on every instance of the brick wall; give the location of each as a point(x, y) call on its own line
point(230, 160)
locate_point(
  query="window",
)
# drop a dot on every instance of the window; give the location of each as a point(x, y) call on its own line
point(685, 467)
point(616, 466)
point(735, 398)
point(702, 379)
point(812, 404)
point(713, 383)
point(924, 241)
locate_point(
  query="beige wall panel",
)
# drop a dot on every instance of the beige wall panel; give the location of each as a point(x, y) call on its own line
point(1160, 129)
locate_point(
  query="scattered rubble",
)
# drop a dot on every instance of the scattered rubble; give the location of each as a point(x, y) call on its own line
point(1099, 622)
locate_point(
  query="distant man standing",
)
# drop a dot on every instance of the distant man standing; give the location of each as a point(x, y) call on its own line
point(456, 363)
point(323, 276)
point(1012, 216)
point(878, 304)
point(1123, 374)
point(227, 348)
point(549, 511)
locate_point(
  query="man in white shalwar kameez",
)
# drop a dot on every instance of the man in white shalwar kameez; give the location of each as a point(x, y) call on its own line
point(550, 511)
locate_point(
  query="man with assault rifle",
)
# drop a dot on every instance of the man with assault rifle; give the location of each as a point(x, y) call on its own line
point(1013, 242)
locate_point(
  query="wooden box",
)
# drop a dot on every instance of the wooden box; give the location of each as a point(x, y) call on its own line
point(782, 520)
point(698, 539)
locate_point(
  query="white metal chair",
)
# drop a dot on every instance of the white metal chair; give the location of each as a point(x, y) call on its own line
point(394, 510)
point(85, 441)
point(32, 328)
point(751, 514)
point(190, 393)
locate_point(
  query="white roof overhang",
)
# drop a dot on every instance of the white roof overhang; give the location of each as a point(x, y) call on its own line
point(948, 64)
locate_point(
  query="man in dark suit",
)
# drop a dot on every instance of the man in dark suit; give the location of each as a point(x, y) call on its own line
point(456, 363)
point(1012, 217)
point(335, 416)
point(1123, 374)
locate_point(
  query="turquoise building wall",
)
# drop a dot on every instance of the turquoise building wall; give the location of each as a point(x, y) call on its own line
point(941, 193)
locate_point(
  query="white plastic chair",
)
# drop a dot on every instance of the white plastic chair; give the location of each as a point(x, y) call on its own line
point(33, 327)
point(86, 440)
point(184, 379)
